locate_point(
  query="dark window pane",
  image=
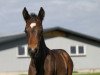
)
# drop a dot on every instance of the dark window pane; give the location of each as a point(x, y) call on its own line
point(81, 49)
point(73, 50)
point(21, 50)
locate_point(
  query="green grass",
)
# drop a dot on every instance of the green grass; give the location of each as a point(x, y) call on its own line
point(79, 74)
point(86, 73)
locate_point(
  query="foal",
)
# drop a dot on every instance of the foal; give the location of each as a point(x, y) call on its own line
point(43, 60)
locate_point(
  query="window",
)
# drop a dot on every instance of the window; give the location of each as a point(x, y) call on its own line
point(73, 50)
point(77, 50)
point(22, 51)
point(81, 50)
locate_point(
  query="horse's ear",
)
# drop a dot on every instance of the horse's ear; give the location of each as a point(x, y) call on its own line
point(26, 14)
point(41, 13)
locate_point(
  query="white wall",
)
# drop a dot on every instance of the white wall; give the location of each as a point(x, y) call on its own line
point(10, 62)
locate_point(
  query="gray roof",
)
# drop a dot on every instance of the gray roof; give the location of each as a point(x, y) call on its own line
point(11, 37)
point(22, 35)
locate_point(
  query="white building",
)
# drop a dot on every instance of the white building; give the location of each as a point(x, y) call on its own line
point(83, 49)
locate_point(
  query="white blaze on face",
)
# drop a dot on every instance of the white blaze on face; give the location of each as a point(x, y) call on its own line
point(32, 25)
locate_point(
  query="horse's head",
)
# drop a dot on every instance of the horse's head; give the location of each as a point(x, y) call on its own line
point(33, 29)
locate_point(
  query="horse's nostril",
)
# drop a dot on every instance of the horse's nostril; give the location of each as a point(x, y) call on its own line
point(29, 49)
point(32, 52)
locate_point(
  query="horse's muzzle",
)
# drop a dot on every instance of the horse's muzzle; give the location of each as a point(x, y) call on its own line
point(32, 51)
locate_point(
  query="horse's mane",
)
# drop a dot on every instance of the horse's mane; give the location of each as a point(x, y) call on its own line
point(33, 15)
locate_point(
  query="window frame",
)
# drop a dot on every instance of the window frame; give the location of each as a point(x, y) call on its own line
point(77, 51)
point(25, 50)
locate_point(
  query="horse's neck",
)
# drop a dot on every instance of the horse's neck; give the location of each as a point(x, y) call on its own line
point(43, 48)
point(39, 60)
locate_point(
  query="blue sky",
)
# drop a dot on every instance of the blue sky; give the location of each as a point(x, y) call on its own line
point(82, 16)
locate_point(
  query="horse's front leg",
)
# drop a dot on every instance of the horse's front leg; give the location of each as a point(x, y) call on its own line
point(32, 69)
point(49, 66)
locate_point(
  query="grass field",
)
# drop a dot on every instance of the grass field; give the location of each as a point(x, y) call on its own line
point(86, 74)
point(81, 74)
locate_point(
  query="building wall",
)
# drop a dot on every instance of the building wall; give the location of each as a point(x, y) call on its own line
point(90, 61)
point(9, 60)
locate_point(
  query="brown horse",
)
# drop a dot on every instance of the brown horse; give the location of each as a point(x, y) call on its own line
point(43, 60)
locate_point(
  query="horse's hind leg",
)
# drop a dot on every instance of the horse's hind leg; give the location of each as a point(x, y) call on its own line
point(69, 63)
point(70, 68)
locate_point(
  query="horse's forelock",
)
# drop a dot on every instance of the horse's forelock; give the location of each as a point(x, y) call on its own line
point(33, 15)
